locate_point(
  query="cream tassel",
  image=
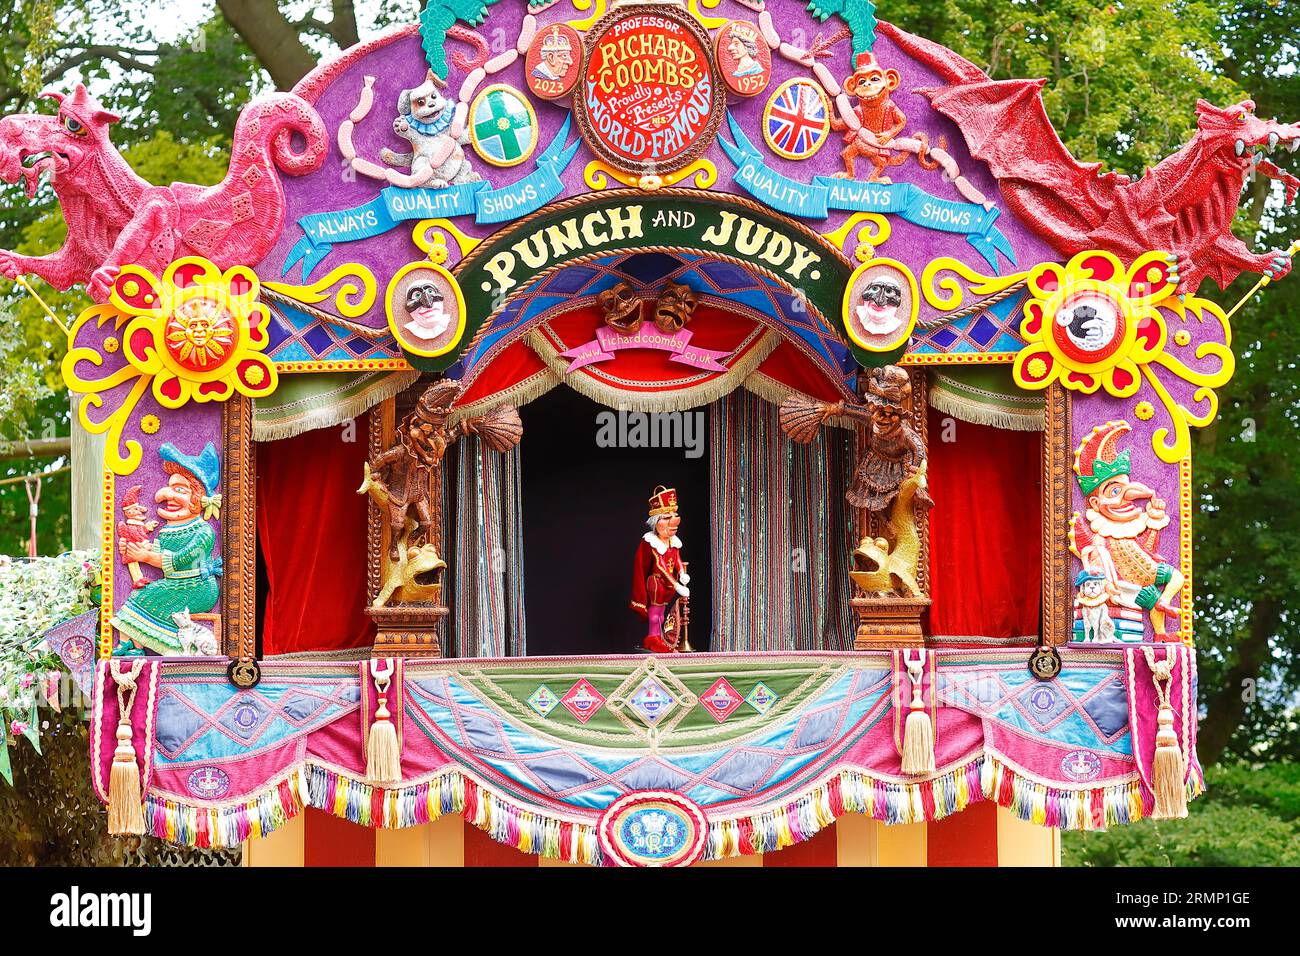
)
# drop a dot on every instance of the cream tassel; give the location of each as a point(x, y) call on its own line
point(918, 731)
point(383, 752)
point(125, 803)
point(1169, 769)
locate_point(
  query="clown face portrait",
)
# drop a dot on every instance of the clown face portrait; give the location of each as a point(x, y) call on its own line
point(426, 313)
point(427, 310)
point(881, 306)
point(877, 313)
point(1088, 326)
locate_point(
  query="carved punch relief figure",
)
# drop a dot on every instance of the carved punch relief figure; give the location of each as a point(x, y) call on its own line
point(182, 552)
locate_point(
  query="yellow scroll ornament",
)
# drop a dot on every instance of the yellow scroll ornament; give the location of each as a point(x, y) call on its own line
point(197, 334)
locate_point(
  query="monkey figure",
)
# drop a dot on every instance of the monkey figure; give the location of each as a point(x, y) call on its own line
point(881, 121)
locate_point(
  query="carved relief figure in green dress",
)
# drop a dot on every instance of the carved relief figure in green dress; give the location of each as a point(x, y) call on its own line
point(183, 552)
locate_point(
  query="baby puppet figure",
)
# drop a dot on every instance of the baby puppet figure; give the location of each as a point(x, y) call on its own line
point(136, 529)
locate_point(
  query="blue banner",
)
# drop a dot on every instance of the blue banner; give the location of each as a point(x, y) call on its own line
point(905, 200)
point(396, 204)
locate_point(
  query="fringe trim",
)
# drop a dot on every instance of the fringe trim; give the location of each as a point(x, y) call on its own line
point(984, 777)
point(670, 400)
point(371, 806)
point(770, 390)
point(521, 393)
point(981, 413)
point(333, 414)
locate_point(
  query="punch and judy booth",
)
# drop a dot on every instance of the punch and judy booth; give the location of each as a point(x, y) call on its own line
point(799, 322)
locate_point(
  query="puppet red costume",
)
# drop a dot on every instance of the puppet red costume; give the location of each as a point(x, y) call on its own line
point(658, 573)
point(135, 528)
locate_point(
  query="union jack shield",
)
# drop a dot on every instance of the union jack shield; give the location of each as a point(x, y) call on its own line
point(797, 119)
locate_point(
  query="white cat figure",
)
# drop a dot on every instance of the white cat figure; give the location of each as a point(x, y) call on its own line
point(196, 640)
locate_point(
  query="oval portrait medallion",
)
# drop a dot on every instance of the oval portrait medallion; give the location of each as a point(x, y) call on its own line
point(425, 309)
point(744, 59)
point(554, 61)
point(881, 305)
point(649, 102)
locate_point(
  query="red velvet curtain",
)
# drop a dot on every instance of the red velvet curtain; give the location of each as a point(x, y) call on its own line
point(985, 550)
point(311, 525)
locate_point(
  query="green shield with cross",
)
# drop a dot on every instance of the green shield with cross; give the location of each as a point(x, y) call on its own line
point(502, 126)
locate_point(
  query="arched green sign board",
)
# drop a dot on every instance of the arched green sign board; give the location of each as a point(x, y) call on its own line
point(619, 221)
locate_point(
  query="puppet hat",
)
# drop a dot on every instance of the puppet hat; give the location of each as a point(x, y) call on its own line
point(205, 466)
point(1096, 459)
point(663, 501)
point(865, 62)
point(132, 496)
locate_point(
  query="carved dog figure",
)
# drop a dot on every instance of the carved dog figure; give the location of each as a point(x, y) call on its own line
point(427, 120)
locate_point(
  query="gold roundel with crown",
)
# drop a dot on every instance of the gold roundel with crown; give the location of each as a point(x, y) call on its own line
point(553, 64)
point(649, 101)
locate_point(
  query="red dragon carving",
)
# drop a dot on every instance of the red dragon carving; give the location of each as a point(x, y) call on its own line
point(114, 217)
point(1184, 205)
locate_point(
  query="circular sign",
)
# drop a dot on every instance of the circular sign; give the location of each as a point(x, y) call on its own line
point(1089, 324)
point(1045, 663)
point(653, 828)
point(208, 783)
point(1081, 765)
point(244, 673)
point(649, 101)
point(881, 305)
point(744, 60)
point(425, 309)
point(502, 125)
point(554, 62)
point(796, 119)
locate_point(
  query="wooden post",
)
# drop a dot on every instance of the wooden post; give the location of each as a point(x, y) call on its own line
point(403, 630)
point(87, 456)
point(891, 620)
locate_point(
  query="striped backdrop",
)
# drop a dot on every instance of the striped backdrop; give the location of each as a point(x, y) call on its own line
point(487, 605)
point(781, 532)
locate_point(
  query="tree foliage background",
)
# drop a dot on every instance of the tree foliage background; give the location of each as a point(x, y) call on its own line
point(1123, 80)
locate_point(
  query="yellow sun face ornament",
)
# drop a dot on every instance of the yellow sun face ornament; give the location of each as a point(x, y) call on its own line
point(1093, 324)
point(195, 334)
point(198, 331)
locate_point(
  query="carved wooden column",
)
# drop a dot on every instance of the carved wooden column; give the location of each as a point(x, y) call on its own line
point(894, 620)
point(237, 623)
point(404, 630)
point(1057, 478)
